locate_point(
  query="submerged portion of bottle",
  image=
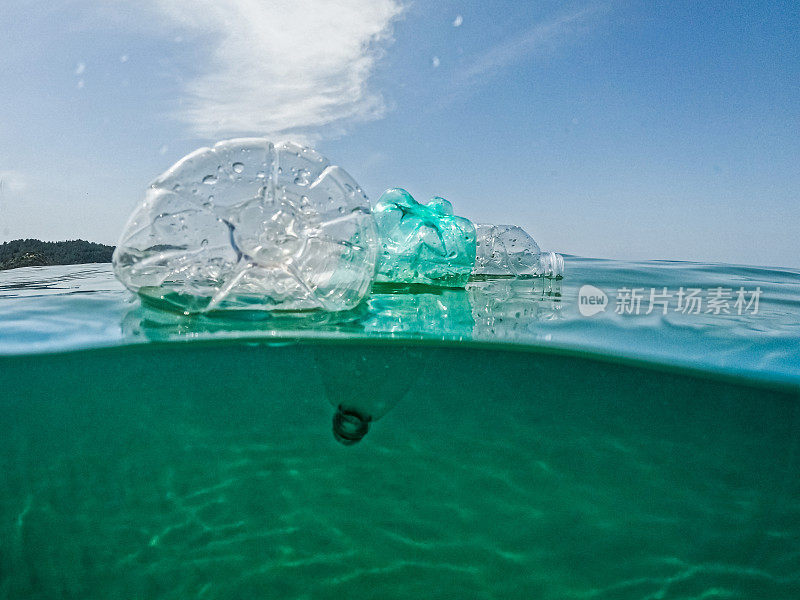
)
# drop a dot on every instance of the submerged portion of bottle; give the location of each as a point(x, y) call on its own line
point(422, 243)
point(365, 390)
point(349, 427)
point(509, 251)
point(248, 225)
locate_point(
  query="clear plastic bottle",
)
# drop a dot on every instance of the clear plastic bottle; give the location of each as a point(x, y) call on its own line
point(246, 225)
point(509, 251)
point(363, 387)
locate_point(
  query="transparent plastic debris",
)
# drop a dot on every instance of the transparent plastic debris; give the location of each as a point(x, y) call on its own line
point(366, 390)
point(422, 243)
point(246, 225)
point(509, 251)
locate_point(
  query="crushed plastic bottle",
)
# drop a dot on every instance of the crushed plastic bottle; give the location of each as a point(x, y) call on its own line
point(509, 251)
point(422, 243)
point(246, 225)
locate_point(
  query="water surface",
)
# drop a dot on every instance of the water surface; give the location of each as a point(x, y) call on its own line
point(46, 309)
point(532, 452)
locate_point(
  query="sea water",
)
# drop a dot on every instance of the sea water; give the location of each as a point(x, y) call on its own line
point(534, 452)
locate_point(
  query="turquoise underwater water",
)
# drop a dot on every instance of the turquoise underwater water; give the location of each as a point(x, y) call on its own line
point(527, 450)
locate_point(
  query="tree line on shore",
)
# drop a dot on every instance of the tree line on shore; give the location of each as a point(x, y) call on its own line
point(33, 253)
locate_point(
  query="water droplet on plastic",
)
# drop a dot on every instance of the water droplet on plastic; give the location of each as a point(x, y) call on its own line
point(302, 177)
point(210, 179)
point(238, 167)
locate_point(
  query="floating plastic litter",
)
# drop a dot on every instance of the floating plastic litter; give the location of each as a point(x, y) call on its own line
point(509, 251)
point(423, 243)
point(248, 225)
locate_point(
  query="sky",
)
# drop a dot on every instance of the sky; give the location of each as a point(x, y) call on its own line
point(627, 130)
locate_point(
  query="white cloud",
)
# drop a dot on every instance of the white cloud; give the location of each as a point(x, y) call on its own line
point(13, 182)
point(435, 62)
point(282, 68)
point(80, 68)
point(458, 21)
point(539, 38)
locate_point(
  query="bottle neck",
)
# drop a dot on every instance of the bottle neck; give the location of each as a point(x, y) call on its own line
point(551, 264)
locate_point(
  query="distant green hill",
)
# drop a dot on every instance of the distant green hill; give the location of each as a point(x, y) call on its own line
point(32, 253)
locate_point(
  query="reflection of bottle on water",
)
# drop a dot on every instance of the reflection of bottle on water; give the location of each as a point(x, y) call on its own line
point(513, 309)
point(508, 251)
point(364, 385)
point(447, 313)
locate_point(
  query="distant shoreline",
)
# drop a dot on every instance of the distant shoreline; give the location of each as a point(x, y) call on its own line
point(36, 253)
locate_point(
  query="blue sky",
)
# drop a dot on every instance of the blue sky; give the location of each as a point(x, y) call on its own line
point(634, 130)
